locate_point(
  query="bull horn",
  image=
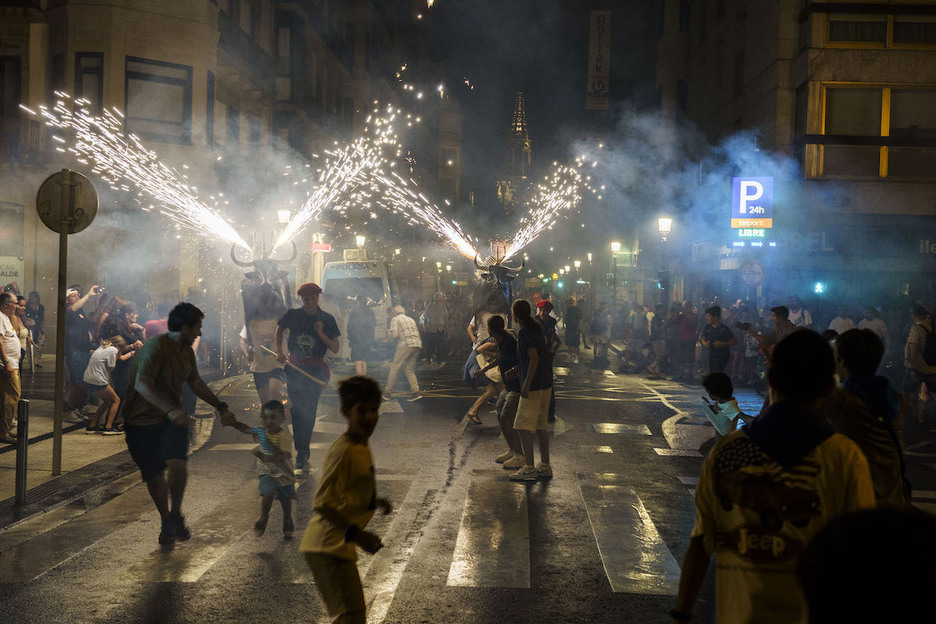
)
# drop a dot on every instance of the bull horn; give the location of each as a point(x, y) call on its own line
point(295, 252)
point(477, 265)
point(236, 261)
point(517, 269)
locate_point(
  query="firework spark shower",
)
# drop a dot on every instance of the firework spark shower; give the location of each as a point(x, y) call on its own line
point(119, 159)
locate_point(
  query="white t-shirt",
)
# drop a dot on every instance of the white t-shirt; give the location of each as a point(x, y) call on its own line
point(103, 360)
point(876, 325)
point(841, 325)
point(10, 341)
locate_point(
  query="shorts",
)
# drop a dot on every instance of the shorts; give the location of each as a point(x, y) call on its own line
point(532, 412)
point(151, 445)
point(262, 379)
point(360, 353)
point(94, 387)
point(687, 351)
point(507, 403)
point(339, 583)
point(268, 485)
point(77, 362)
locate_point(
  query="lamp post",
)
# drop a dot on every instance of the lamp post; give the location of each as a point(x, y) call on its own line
point(615, 248)
point(360, 240)
point(664, 227)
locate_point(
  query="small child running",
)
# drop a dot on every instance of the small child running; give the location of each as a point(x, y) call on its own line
point(344, 503)
point(724, 414)
point(274, 465)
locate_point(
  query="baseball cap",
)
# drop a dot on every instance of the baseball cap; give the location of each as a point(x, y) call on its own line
point(309, 289)
point(71, 291)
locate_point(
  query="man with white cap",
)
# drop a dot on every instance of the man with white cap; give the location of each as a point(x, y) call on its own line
point(312, 333)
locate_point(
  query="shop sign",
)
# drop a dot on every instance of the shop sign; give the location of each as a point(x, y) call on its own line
point(752, 203)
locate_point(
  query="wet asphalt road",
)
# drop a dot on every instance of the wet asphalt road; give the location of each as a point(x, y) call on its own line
point(601, 542)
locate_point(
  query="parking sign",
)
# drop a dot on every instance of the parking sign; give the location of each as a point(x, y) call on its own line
point(752, 202)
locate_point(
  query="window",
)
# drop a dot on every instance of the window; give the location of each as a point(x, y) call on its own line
point(158, 100)
point(89, 78)
point(858, 29)
point(11, 80)
point(254, 132)
point(210, 110)
point(914, 31)
point(879, 132)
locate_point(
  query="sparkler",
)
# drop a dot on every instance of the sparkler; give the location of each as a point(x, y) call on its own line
point(559, 192)
point(122, 161)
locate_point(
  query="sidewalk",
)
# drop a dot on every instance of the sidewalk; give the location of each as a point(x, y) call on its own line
point(88, 461)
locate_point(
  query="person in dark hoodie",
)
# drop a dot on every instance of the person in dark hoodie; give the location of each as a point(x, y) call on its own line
point(765, 490)
point(870, 413)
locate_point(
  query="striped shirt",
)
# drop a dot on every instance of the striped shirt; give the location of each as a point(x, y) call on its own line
point(271, 444)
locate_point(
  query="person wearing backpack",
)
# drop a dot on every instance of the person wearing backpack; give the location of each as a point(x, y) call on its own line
point(869, 412)
point(920, 359)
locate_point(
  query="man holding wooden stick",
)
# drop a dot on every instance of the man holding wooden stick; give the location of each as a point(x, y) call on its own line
point(312, 333)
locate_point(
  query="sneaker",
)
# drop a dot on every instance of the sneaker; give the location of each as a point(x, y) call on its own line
point(167, 533)
point(74, 416)
point(93, 430)
point(387, 397)
point(544, 471)
point(500, 459)
point(527, 473)
point(181, 531)
point(111, 431)
point(260, 526)
point(517, 461)
point(415, 398)
point(87, 410)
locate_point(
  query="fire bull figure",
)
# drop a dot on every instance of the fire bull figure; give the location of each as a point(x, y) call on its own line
point(265, 290)
point(499, 276)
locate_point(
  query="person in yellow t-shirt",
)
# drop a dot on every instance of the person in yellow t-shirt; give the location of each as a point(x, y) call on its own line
point(344, 503)
point(767, 489)
point(274, 465)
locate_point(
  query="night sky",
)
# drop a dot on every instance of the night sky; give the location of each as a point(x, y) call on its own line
point(541, 47)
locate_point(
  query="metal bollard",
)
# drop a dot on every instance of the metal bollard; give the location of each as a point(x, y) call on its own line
point(22, 443)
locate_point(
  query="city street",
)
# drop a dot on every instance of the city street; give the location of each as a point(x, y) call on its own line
point(601, 542)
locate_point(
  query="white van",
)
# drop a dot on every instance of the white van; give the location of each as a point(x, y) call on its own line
point(343, 282)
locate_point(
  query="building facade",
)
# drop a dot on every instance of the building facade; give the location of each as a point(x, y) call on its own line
point(228, 92)
point(845, 92)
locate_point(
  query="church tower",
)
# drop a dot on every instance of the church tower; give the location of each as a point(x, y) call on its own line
point(518, 158)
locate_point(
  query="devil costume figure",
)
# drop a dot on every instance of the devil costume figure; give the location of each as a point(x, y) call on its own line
point(312, 333)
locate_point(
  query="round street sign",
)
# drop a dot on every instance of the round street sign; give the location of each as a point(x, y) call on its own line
point(752, 273)
point(52, 203)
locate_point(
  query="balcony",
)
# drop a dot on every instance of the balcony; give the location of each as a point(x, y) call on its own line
point(245, 56)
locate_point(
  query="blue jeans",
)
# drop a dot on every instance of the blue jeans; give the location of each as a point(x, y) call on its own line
point(303, 400)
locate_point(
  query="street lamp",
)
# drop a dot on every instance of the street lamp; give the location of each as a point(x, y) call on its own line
point(282, 217)
point(664, 226)
point(615, 249)
point(359, 240)
point(578, 264)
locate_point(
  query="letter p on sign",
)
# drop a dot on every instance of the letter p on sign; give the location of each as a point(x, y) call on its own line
point(750, 191)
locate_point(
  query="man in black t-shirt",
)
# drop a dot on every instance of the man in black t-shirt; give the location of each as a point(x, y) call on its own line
point(77, 348)
point(312, 333)
point(718, 338)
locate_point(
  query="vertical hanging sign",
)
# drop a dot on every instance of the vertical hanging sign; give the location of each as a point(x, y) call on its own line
point(599, 60)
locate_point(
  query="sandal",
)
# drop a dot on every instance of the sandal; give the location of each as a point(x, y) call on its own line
point(473, 419)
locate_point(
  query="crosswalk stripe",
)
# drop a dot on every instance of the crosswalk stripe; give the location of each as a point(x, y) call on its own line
point(670, 452)
point(620, 428)
point(212, 537)
point(493, 544)
point(635, 558)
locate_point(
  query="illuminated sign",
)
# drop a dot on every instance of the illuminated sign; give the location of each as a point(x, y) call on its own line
point(752, 204)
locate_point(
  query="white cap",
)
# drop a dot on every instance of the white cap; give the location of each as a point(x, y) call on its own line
point(70, 291)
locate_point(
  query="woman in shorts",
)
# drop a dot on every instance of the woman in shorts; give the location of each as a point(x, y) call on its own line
point(97, 378)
